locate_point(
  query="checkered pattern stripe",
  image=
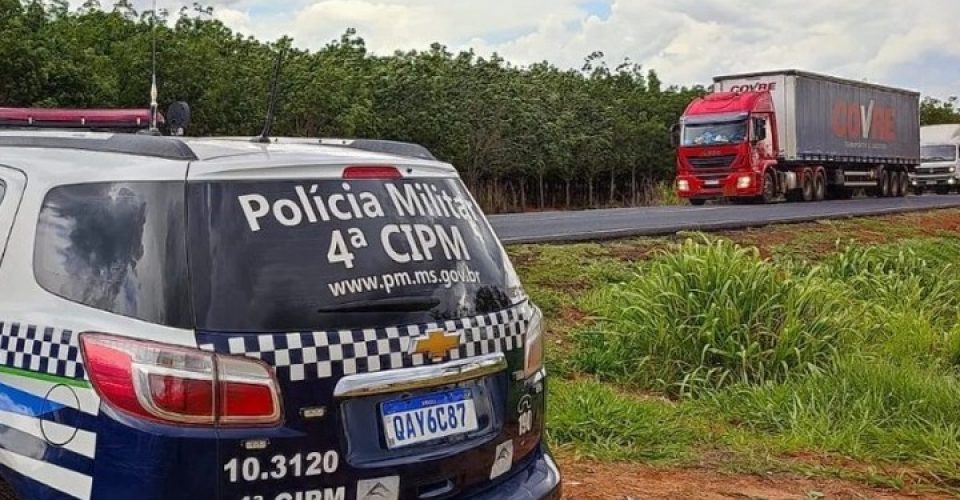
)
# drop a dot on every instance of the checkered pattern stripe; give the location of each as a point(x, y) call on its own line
point(53, 351)
point(302, 356)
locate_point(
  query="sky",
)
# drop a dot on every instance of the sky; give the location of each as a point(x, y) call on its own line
point(896, 42)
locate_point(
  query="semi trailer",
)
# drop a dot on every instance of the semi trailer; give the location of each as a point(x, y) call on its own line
point(799, 136)
point(938, 160)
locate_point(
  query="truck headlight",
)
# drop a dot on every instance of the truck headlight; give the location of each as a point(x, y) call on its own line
point(533, 348)
point(952, 169)
point(744, 182)
point(683, 185)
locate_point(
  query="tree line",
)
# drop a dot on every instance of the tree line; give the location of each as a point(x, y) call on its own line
point(533, 137)
point(934, 111)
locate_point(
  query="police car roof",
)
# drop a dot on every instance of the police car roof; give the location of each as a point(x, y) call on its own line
point(278, 151)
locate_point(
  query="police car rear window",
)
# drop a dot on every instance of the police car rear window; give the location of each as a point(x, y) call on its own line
point(335, 254)
point(118, 247)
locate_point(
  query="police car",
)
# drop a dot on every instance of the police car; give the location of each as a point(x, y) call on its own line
point(299, 320)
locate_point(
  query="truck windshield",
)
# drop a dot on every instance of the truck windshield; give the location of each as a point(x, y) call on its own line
point(946, 152)
point(320, 254)
point(704, 134)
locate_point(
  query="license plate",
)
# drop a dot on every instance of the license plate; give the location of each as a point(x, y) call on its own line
point(711, 183)
point(425, 418)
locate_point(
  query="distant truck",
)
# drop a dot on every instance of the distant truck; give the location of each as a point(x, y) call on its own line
point(938, 160)
point(796, 135)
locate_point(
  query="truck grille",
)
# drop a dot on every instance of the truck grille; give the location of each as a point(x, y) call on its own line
point(712, 161)
point(933, 170)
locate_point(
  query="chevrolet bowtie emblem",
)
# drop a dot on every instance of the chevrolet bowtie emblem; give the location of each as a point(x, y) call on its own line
point(436, 344)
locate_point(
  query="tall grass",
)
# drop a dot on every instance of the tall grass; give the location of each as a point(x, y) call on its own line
point(858, 354)
point(710, 315)
point(907, 297)
point(920, 275)
point(665, 193)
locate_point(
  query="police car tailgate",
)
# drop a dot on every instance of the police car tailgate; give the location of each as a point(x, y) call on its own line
point(392, 321)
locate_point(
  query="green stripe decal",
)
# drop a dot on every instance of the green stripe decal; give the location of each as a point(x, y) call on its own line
point(45, 377)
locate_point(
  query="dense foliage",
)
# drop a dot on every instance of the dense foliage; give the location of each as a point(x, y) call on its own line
point(524, 137)
point(936, 112)
point(532, 137)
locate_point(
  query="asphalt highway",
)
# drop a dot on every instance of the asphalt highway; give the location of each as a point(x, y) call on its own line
point(588, 225)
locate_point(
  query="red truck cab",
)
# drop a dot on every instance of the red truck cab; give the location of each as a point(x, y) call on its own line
point(726, 143)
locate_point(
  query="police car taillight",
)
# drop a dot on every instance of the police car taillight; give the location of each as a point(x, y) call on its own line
point(533, 348)
point(178, 385)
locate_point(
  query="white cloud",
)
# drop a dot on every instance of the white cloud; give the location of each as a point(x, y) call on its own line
point(687, 41)
point(236, 19)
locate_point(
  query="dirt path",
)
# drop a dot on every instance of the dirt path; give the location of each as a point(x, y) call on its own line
point(587, 481)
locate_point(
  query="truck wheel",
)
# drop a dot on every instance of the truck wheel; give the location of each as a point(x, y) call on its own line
point(807, 187)
point(769, 192)
point(943, 190)
point(886, 187)
point(819, 187)
point(918, 191)
point(697, 202)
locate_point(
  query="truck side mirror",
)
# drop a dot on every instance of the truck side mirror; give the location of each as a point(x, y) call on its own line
point(675, 135)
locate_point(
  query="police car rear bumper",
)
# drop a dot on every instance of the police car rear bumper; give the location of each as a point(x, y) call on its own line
point(539, 479)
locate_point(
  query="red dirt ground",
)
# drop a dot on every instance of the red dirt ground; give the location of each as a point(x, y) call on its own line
point(593, 481)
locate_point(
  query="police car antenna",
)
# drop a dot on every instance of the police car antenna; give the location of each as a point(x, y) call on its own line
point(264, 137)
point(154, 93)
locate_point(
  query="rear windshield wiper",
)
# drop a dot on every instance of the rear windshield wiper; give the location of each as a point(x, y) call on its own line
point(398, 304)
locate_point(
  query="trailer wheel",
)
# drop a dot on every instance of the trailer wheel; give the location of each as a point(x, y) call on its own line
point(886, 188)
point(807, 186)
point(819, 186)
point(904, 184)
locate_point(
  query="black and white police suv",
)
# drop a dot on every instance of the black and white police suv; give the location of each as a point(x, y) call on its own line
point(201, 318)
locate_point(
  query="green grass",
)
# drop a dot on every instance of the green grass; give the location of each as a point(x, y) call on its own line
point(609, 425)
point(868, 409)
point(710, 315)
point(706, 347)
point(666, 194)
